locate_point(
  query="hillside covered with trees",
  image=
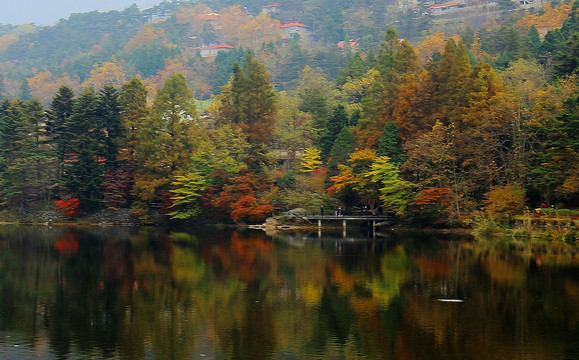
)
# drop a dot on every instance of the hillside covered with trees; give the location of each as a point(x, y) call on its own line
point(131, 110)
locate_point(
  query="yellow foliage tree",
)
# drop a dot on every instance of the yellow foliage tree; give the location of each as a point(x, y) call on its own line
point(108, 73)
point(552, 18)
point(44, 85)
point(239, 29)
point(310, 161)
point(147, 35)
point(433, 43)
point(7, 40)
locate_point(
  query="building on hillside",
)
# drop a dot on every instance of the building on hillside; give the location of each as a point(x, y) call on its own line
point(438, 9)
point(270, 9)
point(290, 29)
point(530, 4)
point(214, 49)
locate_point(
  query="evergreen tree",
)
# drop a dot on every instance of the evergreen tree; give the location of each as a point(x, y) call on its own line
point(566, 60)
point(315, 102)
point(336, 123)
point(343, 146)
point(25, 91)
point(83, 151)
point(109, 114)
point(13, 144)
point(355, 68)
point(557, 158)
point(250, 101)
point(59, 112)
point(41, 161)
point(533, 41)
point(390, 143)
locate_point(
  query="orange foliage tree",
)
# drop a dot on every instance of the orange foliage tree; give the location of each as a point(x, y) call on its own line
point(241, 198)
point(503, 202)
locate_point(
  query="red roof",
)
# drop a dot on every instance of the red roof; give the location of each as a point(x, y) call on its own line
point(292, 24)
point(445, 5)
point(220, 46)
point(270, 6)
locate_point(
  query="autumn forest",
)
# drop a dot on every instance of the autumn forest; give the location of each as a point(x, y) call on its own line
point(374, 107)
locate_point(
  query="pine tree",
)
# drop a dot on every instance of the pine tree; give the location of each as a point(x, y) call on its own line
point(41, 159)
point(59, 112)
point(13, 146)
point(390, 143)
point(84, 149)
point(343, 146)
point(336, 123)
point(533, 41)
point(109, 114)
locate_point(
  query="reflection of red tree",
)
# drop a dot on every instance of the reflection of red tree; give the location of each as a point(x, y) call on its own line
point(68, 244)
point(244, 257)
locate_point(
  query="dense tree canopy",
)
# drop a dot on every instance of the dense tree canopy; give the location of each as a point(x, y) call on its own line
point(433, 132)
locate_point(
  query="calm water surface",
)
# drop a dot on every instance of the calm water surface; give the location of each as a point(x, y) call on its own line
point(212, 294)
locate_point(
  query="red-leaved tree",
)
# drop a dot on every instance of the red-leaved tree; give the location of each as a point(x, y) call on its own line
point(69, 206)
point(240, 197)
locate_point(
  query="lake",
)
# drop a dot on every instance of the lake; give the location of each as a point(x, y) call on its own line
point(120, 293)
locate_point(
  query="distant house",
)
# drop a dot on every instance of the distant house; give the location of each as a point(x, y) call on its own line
point(290, 29)
point(214, 49)
point(438, 9)
point(270, 9)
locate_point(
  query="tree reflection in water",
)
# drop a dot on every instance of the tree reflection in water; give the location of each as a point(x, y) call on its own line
point(156, 294)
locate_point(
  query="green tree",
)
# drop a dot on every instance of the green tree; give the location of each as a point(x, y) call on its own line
point(558, 154)
point(335, 124)
point(166, 142)
point(109, 113)
point(83, 151)
point(186, 191)
point(58, 114)
point(249, 101)
point(134, 111)
point(395, 193)
point(14, 142)
point(314, 92)
point(343, 146)
point(533, 41)
point(390, 143)
point(41, 159)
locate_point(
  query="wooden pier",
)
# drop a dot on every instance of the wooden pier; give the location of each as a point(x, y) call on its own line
point(370, 219)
